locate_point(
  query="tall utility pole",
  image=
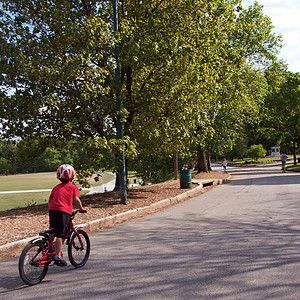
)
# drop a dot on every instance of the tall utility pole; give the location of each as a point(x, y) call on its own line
point(122, 171)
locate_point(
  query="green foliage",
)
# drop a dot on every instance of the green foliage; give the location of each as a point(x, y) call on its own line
point(281, 112)
point(191, 78)
point(152, 167)
point(30, 203)
point(256, 152)
point(249, 162)
point(239, 148)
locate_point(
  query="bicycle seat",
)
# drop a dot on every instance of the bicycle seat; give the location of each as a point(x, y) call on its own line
point(46, 232)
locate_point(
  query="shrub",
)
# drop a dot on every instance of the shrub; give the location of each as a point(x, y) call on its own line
point(256, 151)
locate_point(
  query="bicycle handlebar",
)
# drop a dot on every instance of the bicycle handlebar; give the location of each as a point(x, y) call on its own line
point(78, 210)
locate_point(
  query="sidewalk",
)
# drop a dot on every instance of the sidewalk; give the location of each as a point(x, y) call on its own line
point(106, 187)
point(15, 248)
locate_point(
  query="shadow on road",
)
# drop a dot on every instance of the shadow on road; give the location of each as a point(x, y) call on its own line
point(180, 262)
point(187, 257)
point(263, 175)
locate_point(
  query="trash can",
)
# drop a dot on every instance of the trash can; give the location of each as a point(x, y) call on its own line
point(185, 179)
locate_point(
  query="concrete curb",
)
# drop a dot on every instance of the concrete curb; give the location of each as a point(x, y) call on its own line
point(15, 248)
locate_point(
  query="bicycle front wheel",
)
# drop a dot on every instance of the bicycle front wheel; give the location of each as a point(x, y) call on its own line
point(79, 249)
point(29, 269)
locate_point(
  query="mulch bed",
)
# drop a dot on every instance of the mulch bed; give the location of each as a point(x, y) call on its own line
point(21, 223)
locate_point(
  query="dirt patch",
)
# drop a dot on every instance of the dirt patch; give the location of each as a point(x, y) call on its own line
point(211, 175)
point(22, 223)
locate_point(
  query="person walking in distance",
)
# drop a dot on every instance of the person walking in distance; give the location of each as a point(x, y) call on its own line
point(283, 157)
point(224, 164)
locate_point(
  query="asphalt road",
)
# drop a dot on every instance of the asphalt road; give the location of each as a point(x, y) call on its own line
point(240, 240)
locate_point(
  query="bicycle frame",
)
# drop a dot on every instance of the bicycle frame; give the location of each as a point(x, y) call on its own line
point(48, 253)
point(37, 255)
point(74, 231)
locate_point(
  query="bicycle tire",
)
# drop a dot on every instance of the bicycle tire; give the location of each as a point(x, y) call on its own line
point(79, 255)
point(29, 272)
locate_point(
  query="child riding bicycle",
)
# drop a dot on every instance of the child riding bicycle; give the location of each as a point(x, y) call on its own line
point(60, 209)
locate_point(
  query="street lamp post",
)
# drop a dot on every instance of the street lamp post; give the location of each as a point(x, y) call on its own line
point(122, 172)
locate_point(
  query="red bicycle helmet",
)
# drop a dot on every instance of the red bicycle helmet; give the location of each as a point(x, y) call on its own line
point(65, 172)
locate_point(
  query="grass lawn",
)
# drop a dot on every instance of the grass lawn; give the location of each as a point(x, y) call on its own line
point(10, 201)
point(38, 181)
point(35, 181)
point(132, 177)
point(260, 160)
point(294, 168)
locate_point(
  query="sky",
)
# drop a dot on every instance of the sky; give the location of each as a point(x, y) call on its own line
point(285, 16)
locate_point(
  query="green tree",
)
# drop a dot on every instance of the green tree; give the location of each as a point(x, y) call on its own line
point(7, 152)
point(192, 78)
point(251, 46)
point(282, 112)
point(182, 66)
point(58, 70)
point(256, 152)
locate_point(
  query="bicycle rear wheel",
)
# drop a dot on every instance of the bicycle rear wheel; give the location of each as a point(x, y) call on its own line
point(79, 249)
point(29, 271)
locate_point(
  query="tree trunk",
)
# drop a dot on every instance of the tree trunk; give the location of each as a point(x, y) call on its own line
point(208, 161)
point(117, 184)
point(201, 160)
point(126, 171)
point(176, 166)
point(294, 151)
point(127, 79)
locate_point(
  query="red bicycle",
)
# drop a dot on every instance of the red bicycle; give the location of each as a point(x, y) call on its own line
point(37, 255)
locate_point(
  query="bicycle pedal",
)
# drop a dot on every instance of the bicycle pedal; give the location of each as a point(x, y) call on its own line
point(60, 264)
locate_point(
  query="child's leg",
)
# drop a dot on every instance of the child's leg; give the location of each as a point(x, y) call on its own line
point(51, 237)
point(58, 246)
point(56, 257)
point(59, 220)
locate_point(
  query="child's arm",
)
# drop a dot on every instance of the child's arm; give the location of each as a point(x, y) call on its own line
point(78, 203)
point(50, 197)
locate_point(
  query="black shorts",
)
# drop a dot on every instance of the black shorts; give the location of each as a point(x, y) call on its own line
point(59, 220)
